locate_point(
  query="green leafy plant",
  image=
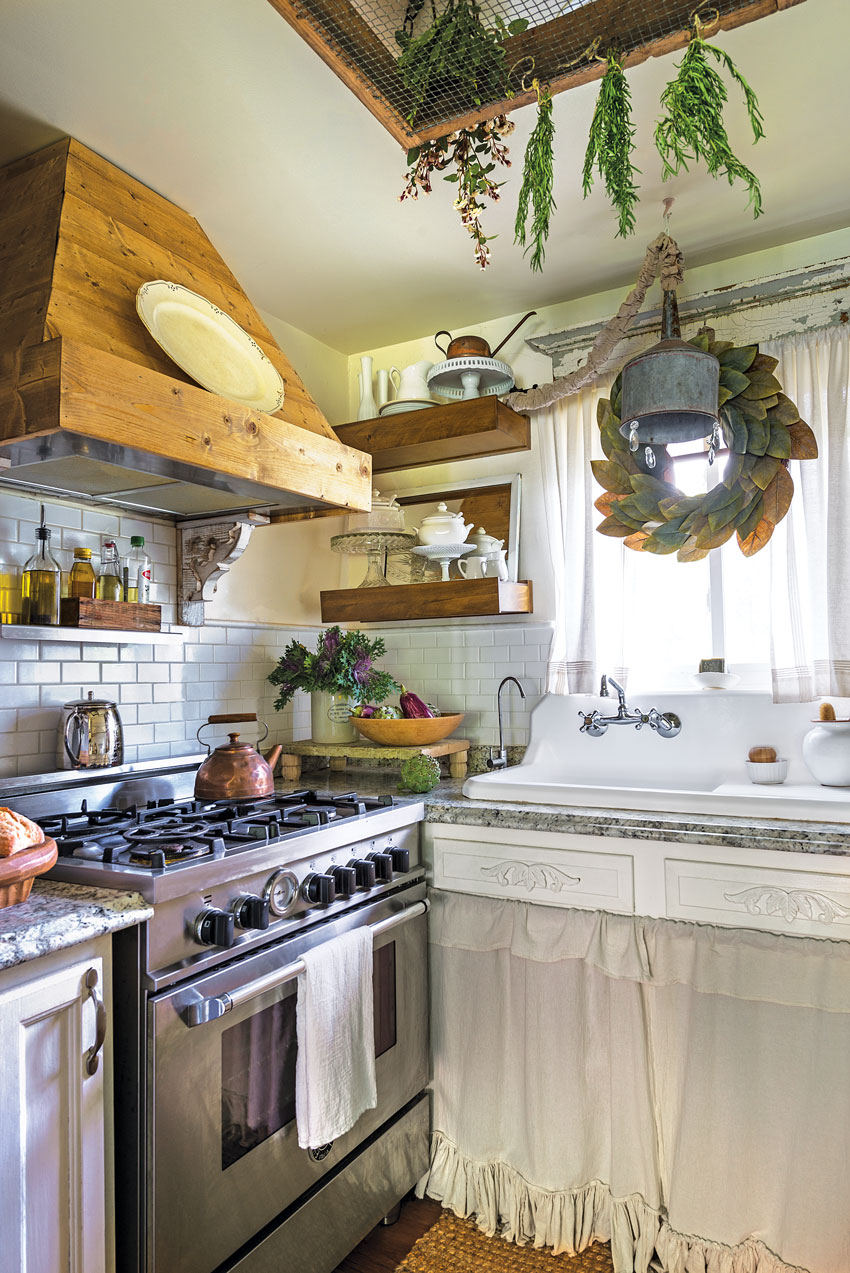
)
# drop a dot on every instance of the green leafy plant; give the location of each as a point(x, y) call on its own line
point(611, 143)
point(537, 182)
point(458, 54)
point(762, 431)
point(692, 126)
point(344, 663)
point(419, 773)
point(474, 154)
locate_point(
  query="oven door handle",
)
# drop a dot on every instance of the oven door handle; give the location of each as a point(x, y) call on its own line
point(204, 1010)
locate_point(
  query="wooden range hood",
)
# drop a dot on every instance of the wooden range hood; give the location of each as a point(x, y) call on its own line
point(90, 405)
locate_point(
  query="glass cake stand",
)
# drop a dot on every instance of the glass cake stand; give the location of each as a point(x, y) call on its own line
point(374, 545)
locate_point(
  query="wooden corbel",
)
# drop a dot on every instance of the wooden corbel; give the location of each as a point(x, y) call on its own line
point(205, 551)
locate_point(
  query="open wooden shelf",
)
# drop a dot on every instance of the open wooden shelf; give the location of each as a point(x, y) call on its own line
point(459, 431)
point(457, 599)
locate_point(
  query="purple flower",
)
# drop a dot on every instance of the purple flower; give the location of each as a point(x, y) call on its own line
point(330, 642)
point(362, 668)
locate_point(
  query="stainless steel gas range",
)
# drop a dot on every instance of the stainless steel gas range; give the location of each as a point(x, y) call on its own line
point(209, 1175)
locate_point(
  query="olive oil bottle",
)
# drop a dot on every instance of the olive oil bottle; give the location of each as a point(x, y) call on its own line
point(109, 585)
point(83, 582)
point(41, 588)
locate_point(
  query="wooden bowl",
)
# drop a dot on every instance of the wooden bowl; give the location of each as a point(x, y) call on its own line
point(419, 731)
point(18, 871)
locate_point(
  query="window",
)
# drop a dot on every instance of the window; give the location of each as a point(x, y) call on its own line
point(659, 617)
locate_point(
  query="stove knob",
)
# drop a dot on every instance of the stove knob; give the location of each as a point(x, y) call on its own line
point(401, 859)
point(383, 866)
point(364, 872)
point(251, 912)
point(215, 928)
point(319, 889)
point(345, 878)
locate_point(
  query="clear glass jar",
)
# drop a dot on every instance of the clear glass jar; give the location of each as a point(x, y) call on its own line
point(137, 568)
point(42, 583)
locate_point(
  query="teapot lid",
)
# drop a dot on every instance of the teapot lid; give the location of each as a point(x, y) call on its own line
point(90, 701)
point(442, 515)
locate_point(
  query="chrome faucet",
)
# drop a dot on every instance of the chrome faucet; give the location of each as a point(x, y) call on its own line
point(594, 724)
point(500, 761)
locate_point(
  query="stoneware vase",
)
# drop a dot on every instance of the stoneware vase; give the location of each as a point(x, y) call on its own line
point(368, 408)
point(329, 715)
point(826, 751)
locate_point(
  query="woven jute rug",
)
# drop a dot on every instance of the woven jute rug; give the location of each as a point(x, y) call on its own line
point(452, 1245)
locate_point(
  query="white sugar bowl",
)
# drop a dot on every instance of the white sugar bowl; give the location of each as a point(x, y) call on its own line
point(826, 751)
point(443, 527)
point(485, 543)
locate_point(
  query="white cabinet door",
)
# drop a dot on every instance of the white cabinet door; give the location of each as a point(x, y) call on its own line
point(52, 1191)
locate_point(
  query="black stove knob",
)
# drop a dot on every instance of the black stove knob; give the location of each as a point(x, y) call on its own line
point(400, 858)
point(383, 866)
point(364, 872)
point(345, 879)
point(251, 912)
point(319, 889)
point(215, 928)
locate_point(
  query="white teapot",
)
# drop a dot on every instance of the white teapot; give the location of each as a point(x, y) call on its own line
point(443, 527)
point(412, 382)
point(485, 543)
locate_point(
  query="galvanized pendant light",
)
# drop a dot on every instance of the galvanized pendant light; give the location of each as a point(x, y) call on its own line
point(670, 391)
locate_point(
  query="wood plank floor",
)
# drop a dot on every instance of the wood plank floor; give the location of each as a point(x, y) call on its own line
point(385, 1247)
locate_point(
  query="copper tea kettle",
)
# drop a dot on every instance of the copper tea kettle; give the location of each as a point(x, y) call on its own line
point(475, 346)
point(236, 771)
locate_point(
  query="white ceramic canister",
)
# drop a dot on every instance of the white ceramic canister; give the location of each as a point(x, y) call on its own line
point(826, 751)
point(329, 715)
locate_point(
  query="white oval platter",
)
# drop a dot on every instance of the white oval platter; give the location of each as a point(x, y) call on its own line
point(209, 345)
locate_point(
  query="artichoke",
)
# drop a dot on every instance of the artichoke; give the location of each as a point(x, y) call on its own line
point(420, 773)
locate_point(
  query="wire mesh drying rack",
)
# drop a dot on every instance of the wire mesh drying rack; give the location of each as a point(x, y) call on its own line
point(357, 39)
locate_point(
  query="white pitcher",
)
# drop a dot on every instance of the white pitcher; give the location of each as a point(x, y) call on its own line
point(411, 382)
point(475, 567)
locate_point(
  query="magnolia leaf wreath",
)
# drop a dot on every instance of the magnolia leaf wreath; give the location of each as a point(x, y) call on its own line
point(762, 430)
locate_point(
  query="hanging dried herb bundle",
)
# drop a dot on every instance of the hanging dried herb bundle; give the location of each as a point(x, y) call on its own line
point(458, 53)
point(692, 126)
point(537, 181)
point(611, 144)
point(474, 154)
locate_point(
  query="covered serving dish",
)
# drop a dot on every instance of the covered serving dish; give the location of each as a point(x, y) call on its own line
point(443, 527)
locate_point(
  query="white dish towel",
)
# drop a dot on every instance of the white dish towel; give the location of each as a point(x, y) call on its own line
point(335, 1063)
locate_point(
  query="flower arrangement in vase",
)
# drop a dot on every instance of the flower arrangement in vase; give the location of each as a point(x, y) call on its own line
point(339, 675)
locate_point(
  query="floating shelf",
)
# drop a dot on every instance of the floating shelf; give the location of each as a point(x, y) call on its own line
point(91, 636)
point(457, 599)
point(459, 431)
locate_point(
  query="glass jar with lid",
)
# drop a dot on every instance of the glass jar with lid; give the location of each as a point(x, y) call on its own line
point(83, 581)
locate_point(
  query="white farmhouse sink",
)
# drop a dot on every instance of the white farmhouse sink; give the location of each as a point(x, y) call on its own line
point(703, 770)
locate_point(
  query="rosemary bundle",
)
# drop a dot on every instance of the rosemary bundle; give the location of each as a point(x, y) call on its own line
point(458, 53)
point(692, 126)
point(610, 145)
point(474, 154)
point(537, 181)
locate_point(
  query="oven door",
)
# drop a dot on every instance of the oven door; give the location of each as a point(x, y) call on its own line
point(223, 1155)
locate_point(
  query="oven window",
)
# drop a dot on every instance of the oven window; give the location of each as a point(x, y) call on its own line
point(258, 1064)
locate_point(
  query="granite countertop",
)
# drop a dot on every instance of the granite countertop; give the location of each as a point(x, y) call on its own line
point(447, 803)
point(56, 916)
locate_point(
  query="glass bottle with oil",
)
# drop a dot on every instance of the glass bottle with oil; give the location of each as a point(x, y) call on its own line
point(41, 588)
point(11, 602)
point(83, 581)
point(109, 585)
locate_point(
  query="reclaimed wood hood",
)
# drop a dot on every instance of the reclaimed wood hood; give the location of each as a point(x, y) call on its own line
point(90, 405)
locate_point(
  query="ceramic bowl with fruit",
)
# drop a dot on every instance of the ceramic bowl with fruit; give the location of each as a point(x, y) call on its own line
point(413, 723)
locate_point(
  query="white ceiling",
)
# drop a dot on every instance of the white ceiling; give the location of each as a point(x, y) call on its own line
point(220, 106)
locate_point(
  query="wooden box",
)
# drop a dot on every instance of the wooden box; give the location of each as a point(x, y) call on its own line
point(118, 616)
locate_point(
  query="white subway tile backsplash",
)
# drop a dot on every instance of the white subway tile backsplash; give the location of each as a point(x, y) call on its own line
point(166, 691)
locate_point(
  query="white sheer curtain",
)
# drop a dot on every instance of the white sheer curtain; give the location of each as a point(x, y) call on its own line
point(788, 606)
point(568, 439)
point(810, 549)
point(677, 1088)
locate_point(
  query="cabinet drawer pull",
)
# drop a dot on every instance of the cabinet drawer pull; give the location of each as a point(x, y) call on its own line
point(92, 1057)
